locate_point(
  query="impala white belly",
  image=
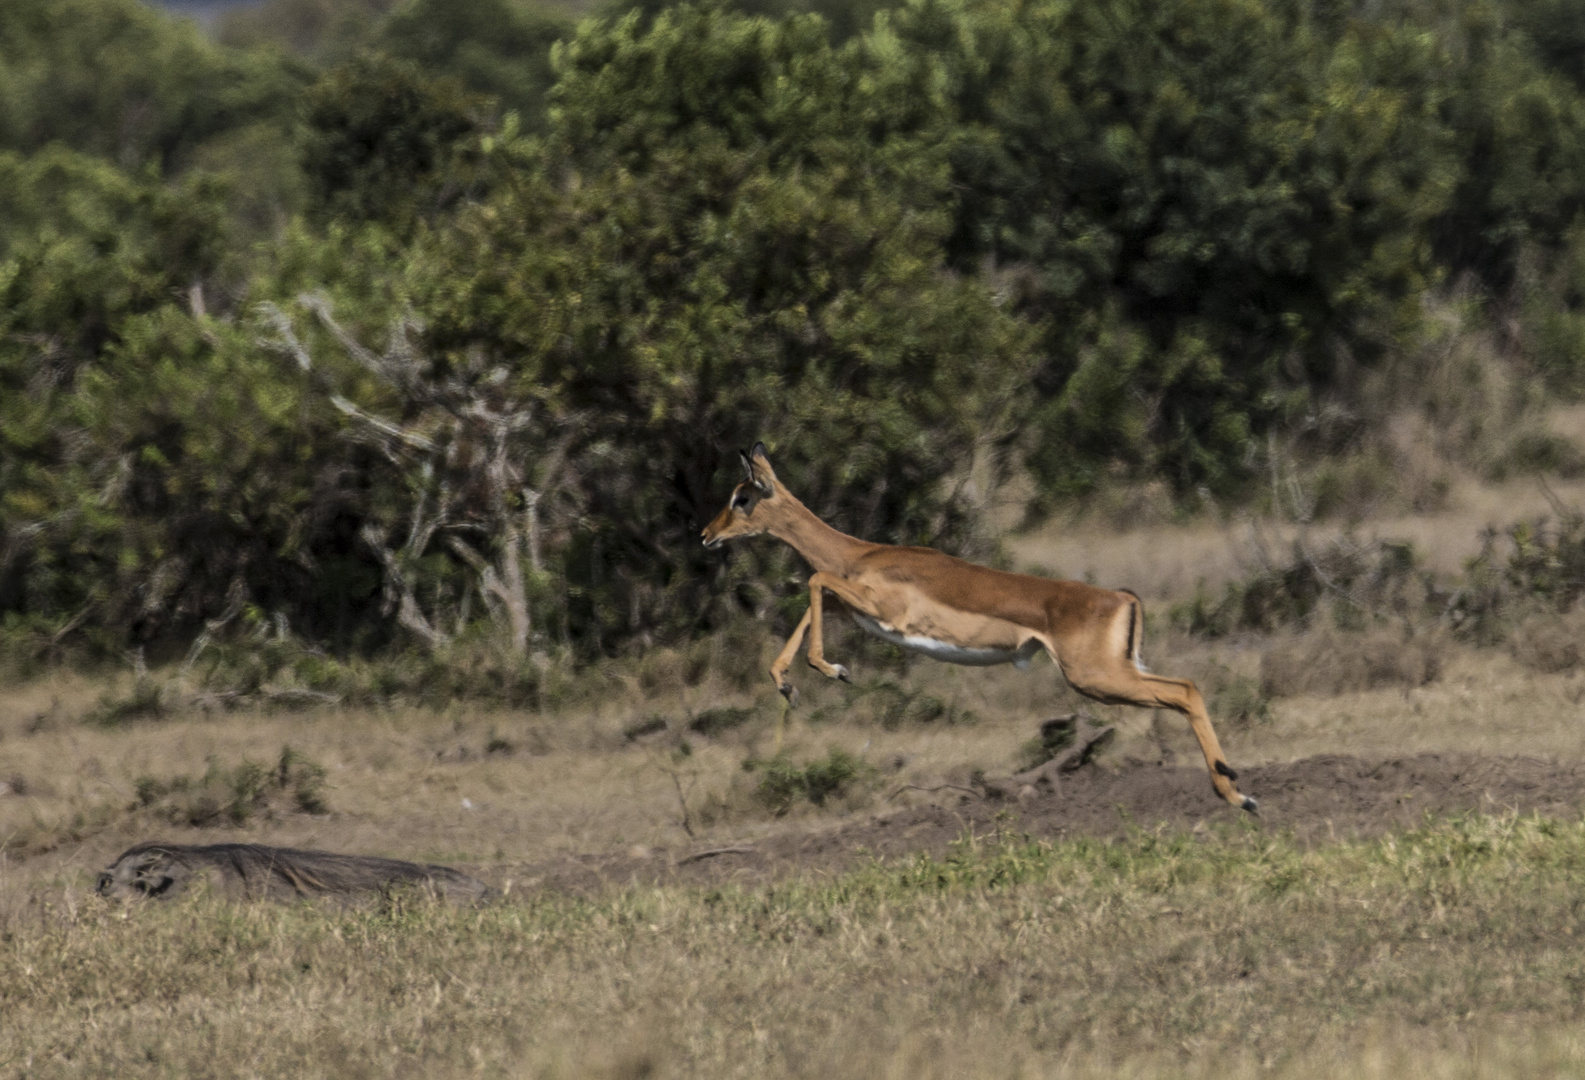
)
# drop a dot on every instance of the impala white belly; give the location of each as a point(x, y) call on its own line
point(945, 650)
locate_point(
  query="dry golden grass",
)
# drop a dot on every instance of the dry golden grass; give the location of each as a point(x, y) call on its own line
point(1053, 977)
point(420, 784)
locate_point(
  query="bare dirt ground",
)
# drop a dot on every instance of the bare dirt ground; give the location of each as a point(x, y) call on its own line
point(1316, 800)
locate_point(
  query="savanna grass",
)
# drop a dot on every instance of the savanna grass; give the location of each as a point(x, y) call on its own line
point(1425, 953)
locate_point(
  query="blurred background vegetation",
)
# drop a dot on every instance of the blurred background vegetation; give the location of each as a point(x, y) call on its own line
point(364, 326)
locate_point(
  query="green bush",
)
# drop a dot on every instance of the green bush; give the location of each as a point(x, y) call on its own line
point(784, 783)
point(1215, 209)
point(383, 140)
point(1530, 566)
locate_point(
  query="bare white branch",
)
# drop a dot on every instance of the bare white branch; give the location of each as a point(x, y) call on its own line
point(467, 450)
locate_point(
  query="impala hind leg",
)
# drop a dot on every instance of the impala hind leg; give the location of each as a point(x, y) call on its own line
point(1123, 684)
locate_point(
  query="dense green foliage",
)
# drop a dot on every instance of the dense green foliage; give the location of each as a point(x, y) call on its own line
point(435, 323)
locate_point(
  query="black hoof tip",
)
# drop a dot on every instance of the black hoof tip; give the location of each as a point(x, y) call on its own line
point(1251, 805)
point(842, 674)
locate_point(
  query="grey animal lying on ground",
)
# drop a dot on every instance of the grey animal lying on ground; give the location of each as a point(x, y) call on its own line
point(256, 871)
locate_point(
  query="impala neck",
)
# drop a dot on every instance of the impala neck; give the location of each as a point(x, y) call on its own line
point(823, 547)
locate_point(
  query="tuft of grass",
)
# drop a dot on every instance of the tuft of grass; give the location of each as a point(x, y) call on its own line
point(1241, 702)
point(224, 794)
point(144, 702)
point(234, 794)
point(304, 779)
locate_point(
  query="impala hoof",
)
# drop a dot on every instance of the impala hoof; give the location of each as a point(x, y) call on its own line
point(841, 672)
point(790, 692)
point(1251, 805)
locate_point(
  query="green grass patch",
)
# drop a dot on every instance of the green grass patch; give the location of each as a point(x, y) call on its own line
point(1239, 953)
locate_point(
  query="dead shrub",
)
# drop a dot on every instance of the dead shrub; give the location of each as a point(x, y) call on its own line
point(1549, 642)
point(1330, 662)
point(663, 671)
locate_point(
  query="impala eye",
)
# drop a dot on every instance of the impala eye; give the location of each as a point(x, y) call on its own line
point(740, 502)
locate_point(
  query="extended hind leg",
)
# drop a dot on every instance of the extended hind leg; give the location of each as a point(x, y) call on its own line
point(1124, 684)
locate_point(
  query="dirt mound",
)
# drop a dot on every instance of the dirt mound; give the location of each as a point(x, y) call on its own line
point(1317, 799)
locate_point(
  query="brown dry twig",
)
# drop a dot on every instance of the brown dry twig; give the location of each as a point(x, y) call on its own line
point(711, 853)
point(937, 787)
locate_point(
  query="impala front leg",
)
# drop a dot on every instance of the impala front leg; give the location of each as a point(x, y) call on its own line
point(817, 644)
point(784, 659)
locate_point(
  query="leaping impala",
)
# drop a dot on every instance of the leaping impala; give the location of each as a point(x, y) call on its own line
point(926, 600)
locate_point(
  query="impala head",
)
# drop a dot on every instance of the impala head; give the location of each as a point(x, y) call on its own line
point(739, 518)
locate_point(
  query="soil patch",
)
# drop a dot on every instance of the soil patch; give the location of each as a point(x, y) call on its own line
point(1317, 800)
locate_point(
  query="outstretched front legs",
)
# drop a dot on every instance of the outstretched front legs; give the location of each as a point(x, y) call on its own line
point(784, 659)
point(810, 624)
point(818, 583)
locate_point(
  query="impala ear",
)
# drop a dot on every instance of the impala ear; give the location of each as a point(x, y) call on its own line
point(757, 469)
point(764, 475)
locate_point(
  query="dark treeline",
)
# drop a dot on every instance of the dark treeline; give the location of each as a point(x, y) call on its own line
point(413, 324)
